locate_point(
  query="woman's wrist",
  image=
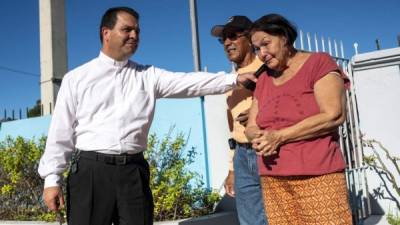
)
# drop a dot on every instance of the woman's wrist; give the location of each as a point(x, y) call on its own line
point(283, 136)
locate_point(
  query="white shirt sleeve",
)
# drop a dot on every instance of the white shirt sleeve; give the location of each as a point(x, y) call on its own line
point(194, 84)
point(60, 141)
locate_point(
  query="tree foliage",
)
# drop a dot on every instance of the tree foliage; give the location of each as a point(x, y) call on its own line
point(36, 110)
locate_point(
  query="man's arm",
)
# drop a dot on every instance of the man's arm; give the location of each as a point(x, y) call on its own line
point(180, 85)
point(59, 146)
point(229, 183)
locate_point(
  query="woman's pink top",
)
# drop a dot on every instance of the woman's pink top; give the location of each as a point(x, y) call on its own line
point(287, 104)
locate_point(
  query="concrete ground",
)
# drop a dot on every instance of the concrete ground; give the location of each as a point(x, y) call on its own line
point(372, 220)
point(376, 220)
point(44, 223)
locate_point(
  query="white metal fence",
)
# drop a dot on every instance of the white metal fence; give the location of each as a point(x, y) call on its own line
point(350, 136)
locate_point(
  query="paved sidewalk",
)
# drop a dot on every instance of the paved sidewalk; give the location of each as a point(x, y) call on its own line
point(44, 223)
point(372, 220)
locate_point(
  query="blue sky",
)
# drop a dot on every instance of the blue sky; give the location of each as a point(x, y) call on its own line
point(166, 37)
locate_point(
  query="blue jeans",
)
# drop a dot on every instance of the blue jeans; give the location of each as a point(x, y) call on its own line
point(249, 201)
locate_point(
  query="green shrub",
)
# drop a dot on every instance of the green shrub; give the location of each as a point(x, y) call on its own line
point(393, 219)
point(20, 185)
point(178, 192)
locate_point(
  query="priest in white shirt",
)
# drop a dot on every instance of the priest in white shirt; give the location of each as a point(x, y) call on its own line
point(104, 111)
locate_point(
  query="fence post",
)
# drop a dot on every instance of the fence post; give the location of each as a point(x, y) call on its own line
point(342, 49)
point(20, 114)
point(316, 42)
point(398, 40)
point(356, 48)
point(336, 49)
point(378, 45)
point(27, 112)
point(13, 117)
point(309, 41)
point(301, 40)
point(329, 46)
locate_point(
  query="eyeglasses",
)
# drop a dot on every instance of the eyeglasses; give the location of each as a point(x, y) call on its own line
point(231, 36)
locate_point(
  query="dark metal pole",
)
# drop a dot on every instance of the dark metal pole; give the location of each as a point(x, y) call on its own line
point(378, 46)
point(398, 40)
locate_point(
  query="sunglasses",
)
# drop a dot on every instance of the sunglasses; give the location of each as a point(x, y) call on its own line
point(231, 36)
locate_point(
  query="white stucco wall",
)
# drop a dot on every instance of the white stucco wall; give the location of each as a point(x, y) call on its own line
point(377, 88)
point(217, 139)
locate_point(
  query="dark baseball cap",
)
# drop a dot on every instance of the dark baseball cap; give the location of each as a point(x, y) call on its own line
point(234, 24)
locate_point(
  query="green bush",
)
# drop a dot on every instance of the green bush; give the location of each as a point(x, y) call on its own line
point(178, 192)
point(393, 219)
point(20, 186)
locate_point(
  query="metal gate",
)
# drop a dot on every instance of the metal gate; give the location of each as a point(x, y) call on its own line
point(350, 136)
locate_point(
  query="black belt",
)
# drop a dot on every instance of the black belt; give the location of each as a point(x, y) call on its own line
point(112, 159)
point(232, 144)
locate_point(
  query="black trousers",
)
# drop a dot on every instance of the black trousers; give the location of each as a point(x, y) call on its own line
point(105, 193)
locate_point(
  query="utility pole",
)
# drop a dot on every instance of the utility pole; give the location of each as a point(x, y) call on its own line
point(197, 66)
point(195, 36)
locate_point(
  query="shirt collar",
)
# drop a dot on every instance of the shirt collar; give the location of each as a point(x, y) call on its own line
point(112, 61)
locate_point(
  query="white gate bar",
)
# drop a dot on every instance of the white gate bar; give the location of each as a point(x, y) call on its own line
point(301, 40)
point(350, 118)
point(329, 46)
point(336, 48)
point(309, 41)
point(342, 49)
point(359, 151)
point(356, 48)
point(323, 44)
point(316, 42)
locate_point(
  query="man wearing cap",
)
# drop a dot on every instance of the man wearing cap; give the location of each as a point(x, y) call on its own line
point(104, 111)
point(242, 181)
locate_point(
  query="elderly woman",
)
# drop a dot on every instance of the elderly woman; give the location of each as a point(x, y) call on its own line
point(298, 105)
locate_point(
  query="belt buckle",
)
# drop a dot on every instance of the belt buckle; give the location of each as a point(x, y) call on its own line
point(120, 160)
